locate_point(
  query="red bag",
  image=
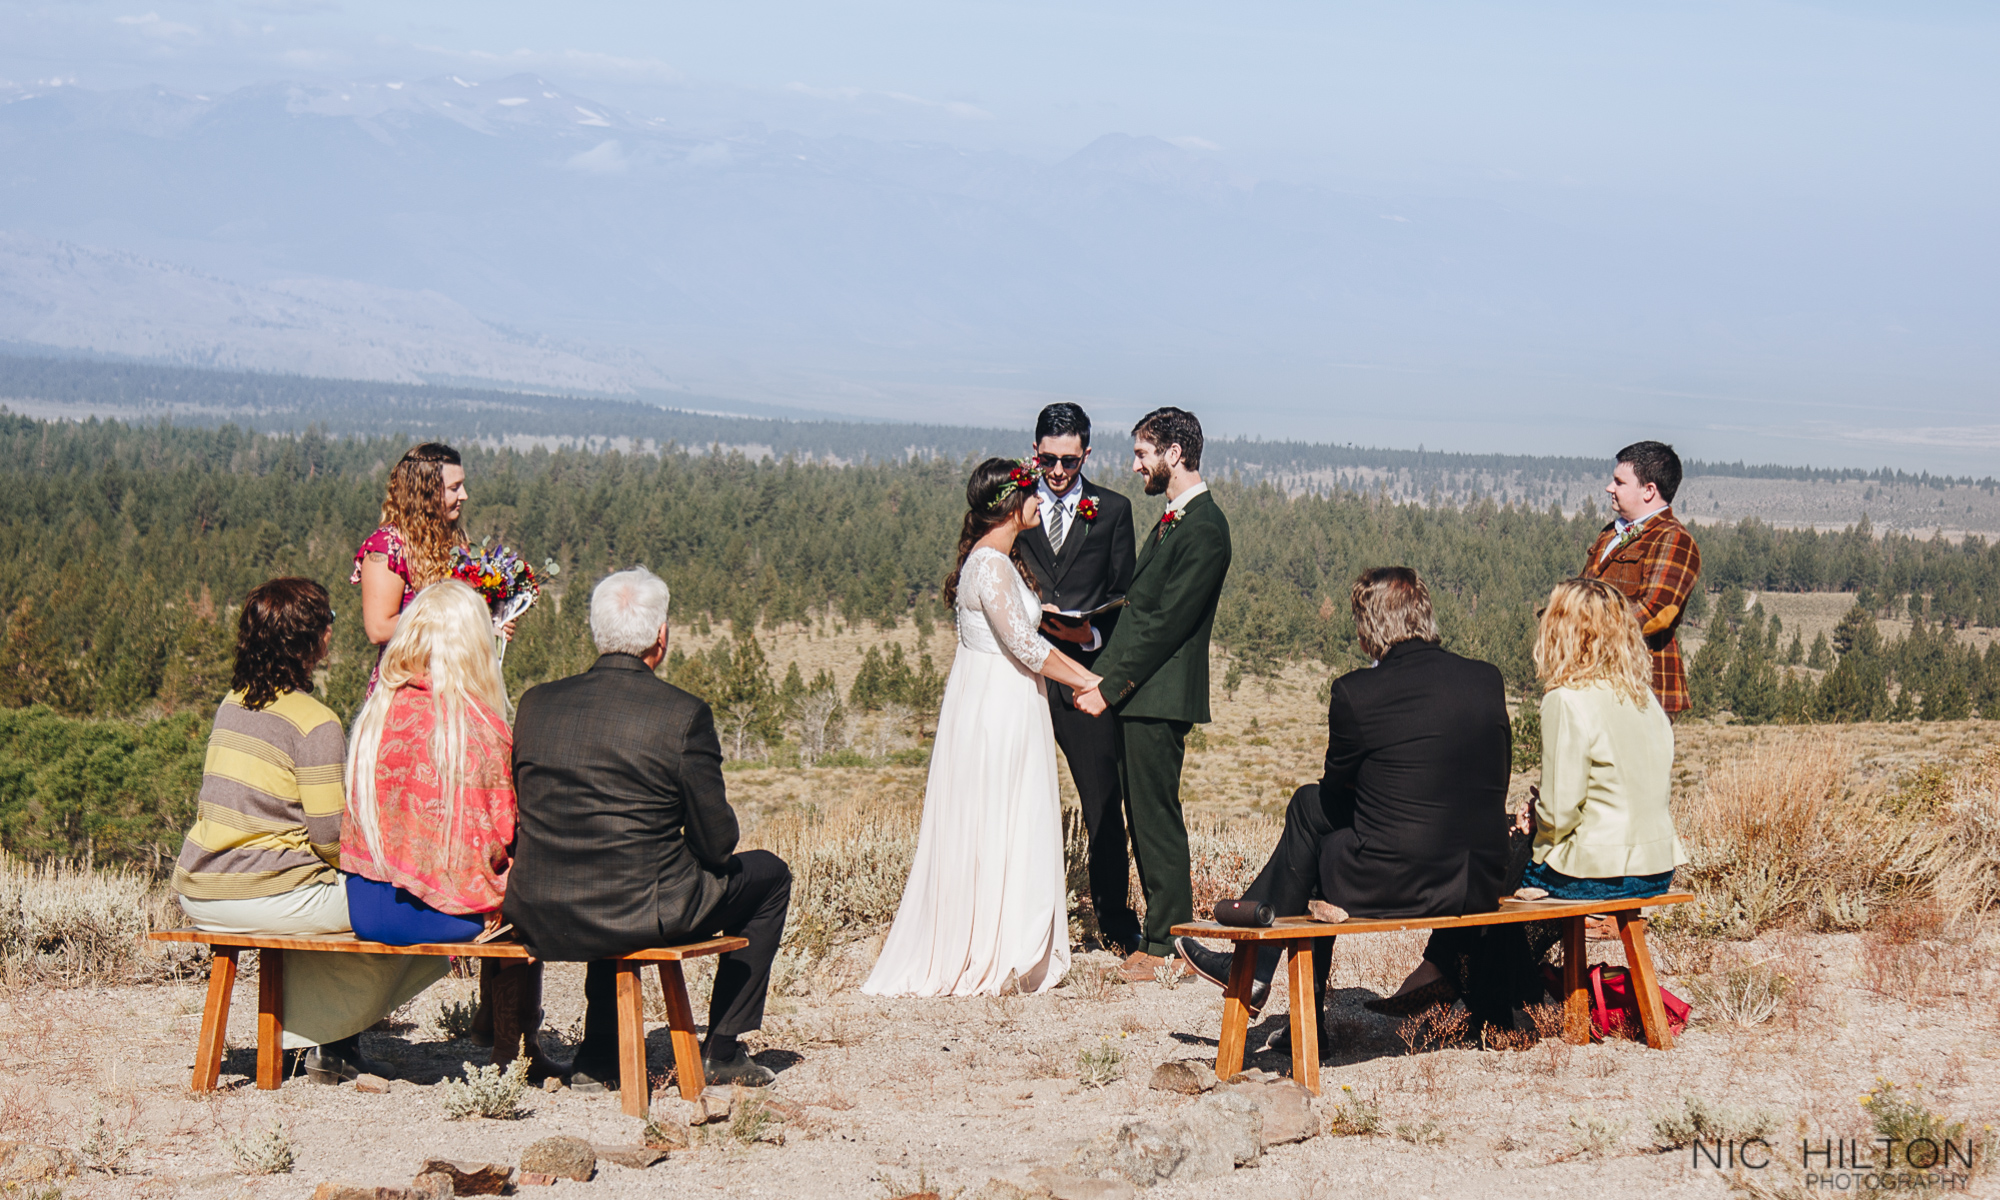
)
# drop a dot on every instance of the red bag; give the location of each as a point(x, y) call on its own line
point(1614, 1003)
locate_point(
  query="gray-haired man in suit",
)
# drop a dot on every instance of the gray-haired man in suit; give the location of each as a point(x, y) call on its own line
point(627, 840)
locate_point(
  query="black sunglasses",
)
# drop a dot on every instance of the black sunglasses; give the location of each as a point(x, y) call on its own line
point(1070, 462)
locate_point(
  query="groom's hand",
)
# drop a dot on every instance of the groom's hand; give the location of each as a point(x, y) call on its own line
point(1091, 701)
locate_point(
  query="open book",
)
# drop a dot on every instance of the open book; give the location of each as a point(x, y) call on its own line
point(1072, 617)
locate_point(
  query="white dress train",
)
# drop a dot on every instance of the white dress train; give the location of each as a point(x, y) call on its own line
point(985, 910)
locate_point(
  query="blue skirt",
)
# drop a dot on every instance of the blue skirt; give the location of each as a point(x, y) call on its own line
point(383, 912)
point(1568, 887)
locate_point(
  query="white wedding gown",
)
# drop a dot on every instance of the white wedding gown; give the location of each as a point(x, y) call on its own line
point(986, 909)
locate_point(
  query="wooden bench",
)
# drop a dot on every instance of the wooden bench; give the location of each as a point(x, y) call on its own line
point(634, 1087)
point(1297, 935)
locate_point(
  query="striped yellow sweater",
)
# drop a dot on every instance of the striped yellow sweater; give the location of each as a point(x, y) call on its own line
point(271, 802)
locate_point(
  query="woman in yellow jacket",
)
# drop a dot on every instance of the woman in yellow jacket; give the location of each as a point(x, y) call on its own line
point(1601, 823)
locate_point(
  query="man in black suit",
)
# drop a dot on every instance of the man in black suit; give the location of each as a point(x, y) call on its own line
point(626, 838)
point(1082, 555)
point(1410, 817)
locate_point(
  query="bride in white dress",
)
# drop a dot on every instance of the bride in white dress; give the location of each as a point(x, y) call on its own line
point(985, 910)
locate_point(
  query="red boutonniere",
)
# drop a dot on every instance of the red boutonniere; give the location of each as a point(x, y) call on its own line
point(1087, 508)
point(1168, 520)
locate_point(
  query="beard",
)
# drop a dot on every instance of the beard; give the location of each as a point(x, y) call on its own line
point(1157, 479)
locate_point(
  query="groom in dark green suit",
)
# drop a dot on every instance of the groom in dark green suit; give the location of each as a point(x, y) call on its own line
point(1155, 668)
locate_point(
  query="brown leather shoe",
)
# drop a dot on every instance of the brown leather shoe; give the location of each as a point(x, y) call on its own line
point(1141, 967)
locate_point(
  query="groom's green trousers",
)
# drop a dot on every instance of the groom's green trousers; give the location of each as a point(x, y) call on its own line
point(1150, 753)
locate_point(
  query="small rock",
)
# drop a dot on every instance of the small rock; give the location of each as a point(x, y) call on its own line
point(1255, 1075)
point(470, 1178)
point(1062, 1185)
point(432, 1185)
point(1179, 1077)
point(561, 1156)
point(665, 1135)
point(535, 1179)
point(636, 1157)
point(1221, 1131)
point(552, 1084)
point(1287, 1110)
point(372, 1084)
point(32, 1162)
point(713, 1106)
point(1145, 1153)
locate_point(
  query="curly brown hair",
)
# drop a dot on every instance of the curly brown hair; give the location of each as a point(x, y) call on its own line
point(414, 506)
point(991, 496)
point(279, 639)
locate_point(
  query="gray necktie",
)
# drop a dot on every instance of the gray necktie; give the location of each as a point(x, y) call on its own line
point(1056, 526)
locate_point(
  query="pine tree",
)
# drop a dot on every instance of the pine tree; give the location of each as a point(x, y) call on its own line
point(1796, 652)
point(1821, 658)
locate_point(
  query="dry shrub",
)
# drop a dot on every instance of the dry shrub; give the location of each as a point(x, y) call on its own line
point(849, 861)
point(1225, 856)
point(1918, 973)
point(69, 923)
point(1437, 1027)
point(1968, 875)
point(1778, 836)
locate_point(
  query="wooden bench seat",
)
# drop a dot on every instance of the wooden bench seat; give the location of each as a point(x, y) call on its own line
point(1297, 935)
point(634, 1087)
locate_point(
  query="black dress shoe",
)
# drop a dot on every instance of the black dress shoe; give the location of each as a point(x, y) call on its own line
point(1213, 965)
point(741, 1069)
point(1414, 1001)
point(340, 1062)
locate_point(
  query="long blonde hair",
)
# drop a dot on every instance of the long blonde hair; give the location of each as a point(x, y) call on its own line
point(414, 506)
point(445, 635)
point(1588, 634)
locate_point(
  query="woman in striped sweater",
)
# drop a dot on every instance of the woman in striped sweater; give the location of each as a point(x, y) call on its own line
point(264, 853)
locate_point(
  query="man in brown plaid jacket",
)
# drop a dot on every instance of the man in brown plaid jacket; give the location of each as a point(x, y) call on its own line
point(1650, 556)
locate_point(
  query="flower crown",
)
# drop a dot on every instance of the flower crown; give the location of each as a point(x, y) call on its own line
point(1023, 477)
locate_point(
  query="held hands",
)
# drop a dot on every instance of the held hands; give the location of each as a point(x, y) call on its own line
point(1091, 700)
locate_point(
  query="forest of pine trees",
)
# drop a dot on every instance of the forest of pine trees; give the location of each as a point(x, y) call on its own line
point(124, 549)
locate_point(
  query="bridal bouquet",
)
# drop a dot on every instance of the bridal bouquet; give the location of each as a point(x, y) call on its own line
point(503, 579)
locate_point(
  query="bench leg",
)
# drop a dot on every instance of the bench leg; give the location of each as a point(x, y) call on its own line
point(634, 1088)
point(215, 1018)
point(680, 1023)
point(270, 1018)
point(1236, 1012)
point(1639, 957)
point(1305, 1015)
point(1576, 998)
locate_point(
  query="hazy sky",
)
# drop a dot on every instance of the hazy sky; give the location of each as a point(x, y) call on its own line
point(1878, 103)
point(1846, 139)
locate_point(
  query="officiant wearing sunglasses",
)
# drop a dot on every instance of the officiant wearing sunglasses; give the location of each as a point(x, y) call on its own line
point(1082, 554)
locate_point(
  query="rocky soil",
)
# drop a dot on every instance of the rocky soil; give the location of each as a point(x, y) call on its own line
point(884, 1098)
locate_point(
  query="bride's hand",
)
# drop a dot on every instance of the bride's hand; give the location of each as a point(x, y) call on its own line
point(1091, 701)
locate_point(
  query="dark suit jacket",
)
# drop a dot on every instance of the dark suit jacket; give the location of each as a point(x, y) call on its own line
point(1156, 662)
point(625, 831)
point(1094, 566)
point(1417, 756)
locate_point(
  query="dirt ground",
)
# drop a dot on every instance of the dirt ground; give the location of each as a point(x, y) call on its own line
point(891, 1094)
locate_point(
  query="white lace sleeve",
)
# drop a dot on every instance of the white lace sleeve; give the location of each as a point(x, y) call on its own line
point(1004, 600)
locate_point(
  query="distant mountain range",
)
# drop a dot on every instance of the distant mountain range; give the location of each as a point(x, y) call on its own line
point(510, 232)
point(112, 302)
point(748, 255)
